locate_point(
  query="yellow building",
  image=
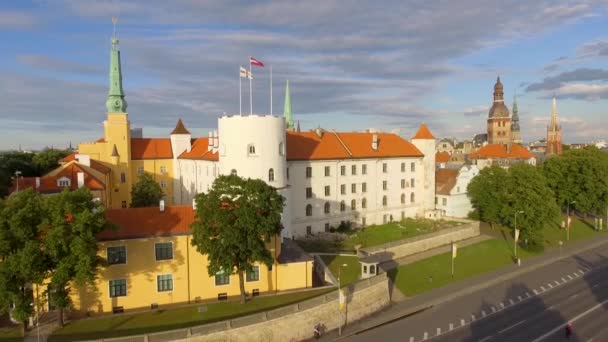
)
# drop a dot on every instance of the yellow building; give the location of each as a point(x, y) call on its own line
point(151, 263)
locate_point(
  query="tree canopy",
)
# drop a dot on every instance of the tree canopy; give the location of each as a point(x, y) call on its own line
point(146, 192)
point(235, 220)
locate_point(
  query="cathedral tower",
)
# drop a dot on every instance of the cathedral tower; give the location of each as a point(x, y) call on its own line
point(499, 121)
point(515, 130)
point(554, 133)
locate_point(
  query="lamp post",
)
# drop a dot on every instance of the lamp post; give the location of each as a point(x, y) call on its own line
point(340, 299)
point(568, 220)
point(516, 235)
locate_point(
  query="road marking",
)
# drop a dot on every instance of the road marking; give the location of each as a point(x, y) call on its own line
point(438, 331)
point(511, 327)
point(493, 309)
point(511, 301)
point(485, 339)
point(561, 326)
point(528, 294)
point(550, 286)
point(564, 279)
point(542, 288)
point(472, 318)
point(569, 276)
point(411, 339)
point(462, 322)
point(574, 295)
point(519, 298)
point(581, 270)
point(483, 313)
point(575, 275)
point(556, 282)
point(502, 306)
point(451, 326)
point(594, 286)
point(426, 335)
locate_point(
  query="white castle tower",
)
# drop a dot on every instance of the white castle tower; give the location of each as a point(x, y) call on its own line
point(425, 142)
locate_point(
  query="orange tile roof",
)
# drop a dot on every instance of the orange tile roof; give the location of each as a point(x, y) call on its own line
point(442, 157)
point(423, 133)
point(445, 179)
point(94, 163)
point(500, 151)
point(133, 223)
point(48, 184)
point(337, 145)
point(151, 148)
point(200, 151)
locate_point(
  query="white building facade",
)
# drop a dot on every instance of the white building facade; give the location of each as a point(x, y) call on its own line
point(451, 197)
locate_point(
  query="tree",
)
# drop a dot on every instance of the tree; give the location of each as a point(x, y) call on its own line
point(235, 219)
point(22, 260)
point(48, 160)
point(146, 192)
point(11, 162)
point(487, 193)
point(72, 221)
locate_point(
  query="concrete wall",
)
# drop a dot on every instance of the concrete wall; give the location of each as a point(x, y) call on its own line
point(402, 248)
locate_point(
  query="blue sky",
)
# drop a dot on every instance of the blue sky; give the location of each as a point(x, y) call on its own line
point(387, 65)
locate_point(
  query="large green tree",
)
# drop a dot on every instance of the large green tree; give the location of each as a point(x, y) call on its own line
point(72, 220)
point(487, 193)
point(48, 159)
point(146, 192)
point(15, 161)
point(22, 258)
point(235, 220)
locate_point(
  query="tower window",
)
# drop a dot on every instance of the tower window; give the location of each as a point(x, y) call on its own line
point(308, 210)
point(251, 149)
point(308, 172)
point(413, 167)
point(327, 171)
point(271, 175)
point(354, 170)
point(384, 201)
point(402, 167)
point(353, 205)
point(363, 203)
point(364, 169)
point(342, 206)
point(308, 192)
point(384, 167)
point(412, 198)
point(281, 148)
point(123, 177)
point(402, 198)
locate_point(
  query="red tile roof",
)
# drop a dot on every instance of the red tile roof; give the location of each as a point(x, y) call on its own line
point(445, 179)
point(151, 148)
point(48, 184)
point(336, 145)
point(133, 223)
point(423, 133)
point(442, 157)
point(94, 163)
point(500, 151)
point(200, 151)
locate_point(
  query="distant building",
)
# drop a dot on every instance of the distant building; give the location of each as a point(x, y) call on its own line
point(538, 146)
point(554, 133)
point(502, 155)
point(441, 159)
point(480, 140)
point(499, 120)
point(451, 197)
point(445, 145)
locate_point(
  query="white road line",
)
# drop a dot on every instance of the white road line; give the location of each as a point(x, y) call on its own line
point(575, 275)
point(438, 331)
point(462, 322)
point(511, 301)
point(574, 295)
point(561, 326)
point(502, 306)
point(493, 309)
point(411, 339)
point(581, 270)
point(594, 286)
point(556, 282)
point(550, 286)
point(519, 298)
point(528, 294)
point(485, 339)
point(426, 335)
point(512, 326)
point(472, 318)
point(569, 276)
point(543, 288)
point(564, 279)
point(451, 326)
point(483, 313)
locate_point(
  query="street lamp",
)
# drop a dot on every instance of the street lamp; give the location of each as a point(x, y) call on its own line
point(516, 235)
point(340, 298)
point(568, 220)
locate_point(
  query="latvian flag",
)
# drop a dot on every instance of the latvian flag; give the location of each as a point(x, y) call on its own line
point(255, 62)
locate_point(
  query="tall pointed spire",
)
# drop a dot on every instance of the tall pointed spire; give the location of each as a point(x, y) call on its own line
point(554, 120)
point(515, 117)
point(116, 98)
point(287, 111)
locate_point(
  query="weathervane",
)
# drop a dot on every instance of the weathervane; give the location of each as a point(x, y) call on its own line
point(114, 20)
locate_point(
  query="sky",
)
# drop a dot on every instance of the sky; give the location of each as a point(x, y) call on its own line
point(351, 65)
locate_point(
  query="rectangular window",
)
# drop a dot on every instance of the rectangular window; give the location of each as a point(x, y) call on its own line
point(384, 185)
point(327, 190)
point(327, 173)
point(384, 168)
point(117, 255)
point(343, 189)
point(412, 183)
point(163, 251)
point(363, 187)
point(403, 184)
point(287, 173)
point(353, 188)
point(140, 170)
point(308, 192)
point(123, 177)
point(254, 275)
point(123, 204)
point(164, 282)
point(308, 172)
point(444, 201)
point(327, 227)
point(343, 170)
point(163, 184)
point(413, 167)
point(163, 169)
point(364, 169)
point(308, 230)
point(222, 278)
point(118, 288)
point(402, 167)
point(353, 170)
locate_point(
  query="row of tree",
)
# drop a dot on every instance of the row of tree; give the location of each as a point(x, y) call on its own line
point(47, 239)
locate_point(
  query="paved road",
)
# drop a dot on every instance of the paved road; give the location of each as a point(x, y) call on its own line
point(535, 305)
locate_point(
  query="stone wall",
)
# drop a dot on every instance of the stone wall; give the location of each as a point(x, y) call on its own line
point(403, 248)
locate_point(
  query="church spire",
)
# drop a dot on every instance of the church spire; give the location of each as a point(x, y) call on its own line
point(554, 120)
point(116, 98)
point(515, 118)
point(287, 111)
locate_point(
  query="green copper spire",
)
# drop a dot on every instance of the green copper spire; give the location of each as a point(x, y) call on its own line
point(116, 97)
point(287, 111)
point(515, 117)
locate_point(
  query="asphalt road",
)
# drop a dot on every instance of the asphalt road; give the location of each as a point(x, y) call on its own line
point(533, 307)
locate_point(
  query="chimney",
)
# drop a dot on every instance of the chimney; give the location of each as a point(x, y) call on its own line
point(37, 182)
point(194, 204)
point(375, 142)
point(80, 177)
point(210, 144)
point(216, 141)
point(161, 205)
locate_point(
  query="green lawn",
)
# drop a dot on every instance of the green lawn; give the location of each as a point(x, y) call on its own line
point(154, 321)
point(10, 334)
point(349, 273)
point(580, 230)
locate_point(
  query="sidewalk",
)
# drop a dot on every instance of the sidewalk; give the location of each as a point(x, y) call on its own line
point(447, 293)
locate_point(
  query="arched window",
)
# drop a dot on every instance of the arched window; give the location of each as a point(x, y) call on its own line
point(412, 198)
point(384, 201)
point(327, 208)
point(281, 148)
point(233, 172)
point(342, 206)
point(402, 198)
point(271, 175)
point(353, 205)
point(308, 210)
point(363, 203)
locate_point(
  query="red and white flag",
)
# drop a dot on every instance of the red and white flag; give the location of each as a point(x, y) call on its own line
point(569, 222)
point(255, 62)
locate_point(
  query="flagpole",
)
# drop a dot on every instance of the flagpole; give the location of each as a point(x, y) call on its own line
point(240, 92)
point(250, 89)
point(271, 90)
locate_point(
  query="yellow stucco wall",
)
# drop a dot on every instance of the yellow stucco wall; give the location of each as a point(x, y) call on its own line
point(155, 168)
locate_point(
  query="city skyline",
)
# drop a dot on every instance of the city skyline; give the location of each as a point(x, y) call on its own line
point(388, 68)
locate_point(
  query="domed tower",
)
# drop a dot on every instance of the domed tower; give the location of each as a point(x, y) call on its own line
point(499, 121)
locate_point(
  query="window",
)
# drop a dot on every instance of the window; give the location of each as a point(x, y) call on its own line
point(413, 167)
point(308, 230)
point(436, 200)
point(402, 167)
point(140, 170)
point(116, 255)
point(353, 188)
point(342, 206)
point(363, 187)
point(233, 172)
point(271, 175)
point(403, 184)
point(123, 177)
point(251, 149)
point(343, 170)
point(123, 204)
point(327, 170)
point(281, 148)
point(343, 189)
point(163, 184)
point(444, 201)
point(163, 169)
point(384, 201)
point(353, 170)
point(308, 210)
point(353, 205)
point(402, 198)
point(384, 167)
point(364, 203)
point(308, 172)
point(327, 227)
point(327, 208)
point(384, 185)
point(412, 182)
point(164, 282)
point(118, 288)
point(254, 274)
point(327, 191)
point(364, 169)
point(412, 198)
point(309, 192)
point(63, 182)
point(364, 268)
point(222, 278)
point(164, 250)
